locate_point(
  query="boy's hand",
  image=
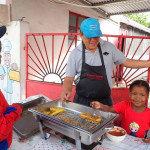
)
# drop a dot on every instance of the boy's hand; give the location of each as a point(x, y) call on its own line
point(146, 140)
point(21, 105)
point(96, 104)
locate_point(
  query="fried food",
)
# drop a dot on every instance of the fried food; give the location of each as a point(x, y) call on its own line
point(89, 117)
point(46, 112)
point(54, 111)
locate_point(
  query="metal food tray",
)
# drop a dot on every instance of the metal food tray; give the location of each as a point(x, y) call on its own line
point(26, 126)
point(87, 135)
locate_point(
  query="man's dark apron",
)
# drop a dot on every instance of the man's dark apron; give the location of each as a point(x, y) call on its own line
point(93, 84)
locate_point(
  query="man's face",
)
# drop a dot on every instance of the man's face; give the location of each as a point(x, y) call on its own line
point(90, 43)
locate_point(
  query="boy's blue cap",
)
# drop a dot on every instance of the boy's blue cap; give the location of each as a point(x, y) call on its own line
point(91, 28)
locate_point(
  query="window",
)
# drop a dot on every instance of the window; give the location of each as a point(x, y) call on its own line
point(75, 21)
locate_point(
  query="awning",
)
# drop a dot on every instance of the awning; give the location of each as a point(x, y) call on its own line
point(112, 7)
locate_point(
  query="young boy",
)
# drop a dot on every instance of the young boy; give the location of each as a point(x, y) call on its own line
point(8, 114)
point(136, 116)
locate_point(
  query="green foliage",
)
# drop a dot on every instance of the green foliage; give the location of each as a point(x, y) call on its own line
point(140, 18)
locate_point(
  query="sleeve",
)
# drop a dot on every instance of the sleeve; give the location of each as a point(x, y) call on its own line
point(3, 102)
point(120, 107)
point(7, 121)
point(18, 112)
point(118, 56)
point(2, 71)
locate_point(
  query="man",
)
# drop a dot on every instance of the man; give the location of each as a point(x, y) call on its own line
point(92, 64)
point(8, 114)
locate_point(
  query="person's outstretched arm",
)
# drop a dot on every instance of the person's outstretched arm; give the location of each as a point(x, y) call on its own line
point(131, 63)
point(103, 107)
point(67, 88)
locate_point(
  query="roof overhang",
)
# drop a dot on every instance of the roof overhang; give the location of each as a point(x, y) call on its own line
point(112, 7)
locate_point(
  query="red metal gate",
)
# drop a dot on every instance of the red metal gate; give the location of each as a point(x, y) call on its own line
point(47, 54)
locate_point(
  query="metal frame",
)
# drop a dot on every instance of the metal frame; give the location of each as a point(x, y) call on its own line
point(47, 63)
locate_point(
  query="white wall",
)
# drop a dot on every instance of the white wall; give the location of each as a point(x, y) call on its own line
point(11, 39)
point(46, 17)
point(16, 36)
point(24, 28)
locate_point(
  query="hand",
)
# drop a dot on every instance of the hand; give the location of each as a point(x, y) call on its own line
point(21, 105)
point(96, 104)
point(146, 140)
point(65, 96)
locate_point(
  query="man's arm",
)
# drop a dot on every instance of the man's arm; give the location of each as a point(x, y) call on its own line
point(67, 88)
point(131, 63)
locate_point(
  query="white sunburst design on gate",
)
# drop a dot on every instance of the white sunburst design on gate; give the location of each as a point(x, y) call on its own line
point(47, 56)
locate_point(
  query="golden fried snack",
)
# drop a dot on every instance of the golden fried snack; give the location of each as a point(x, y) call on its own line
point(89, 117)
point(54, 111)
point(46, 112)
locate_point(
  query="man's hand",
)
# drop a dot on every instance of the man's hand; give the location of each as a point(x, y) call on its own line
point(65, 96)
point(67, 89)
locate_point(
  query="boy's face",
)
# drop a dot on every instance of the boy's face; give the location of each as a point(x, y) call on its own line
point(139, 96)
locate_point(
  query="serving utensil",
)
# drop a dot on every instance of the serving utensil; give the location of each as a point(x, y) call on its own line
point(94, 114)
point(147, 134)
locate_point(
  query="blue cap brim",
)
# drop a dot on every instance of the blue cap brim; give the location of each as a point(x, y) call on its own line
point(92, 34)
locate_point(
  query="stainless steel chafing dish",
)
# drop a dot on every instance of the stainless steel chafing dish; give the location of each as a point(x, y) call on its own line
point(70, 124)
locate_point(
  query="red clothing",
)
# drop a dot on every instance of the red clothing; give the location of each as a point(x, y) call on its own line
point(129, 116)
point(7, 121)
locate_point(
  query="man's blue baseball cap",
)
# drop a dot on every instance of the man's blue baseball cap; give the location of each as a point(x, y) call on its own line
point(91, 28)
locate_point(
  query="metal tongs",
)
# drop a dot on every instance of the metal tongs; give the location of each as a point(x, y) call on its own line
point(94, 114)
point(147, 134)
